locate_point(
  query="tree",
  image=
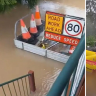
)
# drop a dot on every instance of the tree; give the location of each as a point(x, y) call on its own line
point(9, 4)
point(91, 17)
point(91, 10)
point(91, 6)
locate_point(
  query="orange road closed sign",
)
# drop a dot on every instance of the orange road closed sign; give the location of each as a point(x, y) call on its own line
point(62, 39)
point(54, 23)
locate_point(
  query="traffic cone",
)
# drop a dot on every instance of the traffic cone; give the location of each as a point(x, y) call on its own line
point(33, 28)
point(71, 50)
point(25, 33)
point(38, 17)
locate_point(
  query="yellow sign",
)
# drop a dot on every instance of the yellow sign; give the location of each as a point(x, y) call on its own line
point(54, 23)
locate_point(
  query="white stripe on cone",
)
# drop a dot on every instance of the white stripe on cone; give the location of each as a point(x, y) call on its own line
point(32, 24)
point(71, 51)
point(37, 8)
point(24, 29)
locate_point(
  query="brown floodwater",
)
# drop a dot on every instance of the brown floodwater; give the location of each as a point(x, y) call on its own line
point(15, 62)
point(90, 83)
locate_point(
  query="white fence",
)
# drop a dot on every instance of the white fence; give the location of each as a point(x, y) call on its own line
point(78, 75)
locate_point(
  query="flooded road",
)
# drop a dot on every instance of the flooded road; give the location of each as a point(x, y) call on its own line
point(15, 62)
point(90, 84)
point(64, 7)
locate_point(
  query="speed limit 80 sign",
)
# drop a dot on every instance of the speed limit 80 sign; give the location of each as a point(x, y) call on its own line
point(73, 27)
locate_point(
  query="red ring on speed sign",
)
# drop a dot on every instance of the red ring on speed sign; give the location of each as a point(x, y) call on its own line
point(78, 23)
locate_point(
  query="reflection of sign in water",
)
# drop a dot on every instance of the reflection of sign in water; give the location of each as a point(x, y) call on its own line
point(62, 39)
point(73, 27)
point(53, 23)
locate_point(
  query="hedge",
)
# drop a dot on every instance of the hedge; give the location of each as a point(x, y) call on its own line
point(9, 4)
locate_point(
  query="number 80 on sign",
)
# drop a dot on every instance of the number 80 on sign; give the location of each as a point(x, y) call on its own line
point(73, 27)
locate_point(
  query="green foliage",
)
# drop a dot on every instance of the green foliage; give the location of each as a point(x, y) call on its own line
point(32, 3)
point(18, 1)
point(6, 5)
point(90, 41)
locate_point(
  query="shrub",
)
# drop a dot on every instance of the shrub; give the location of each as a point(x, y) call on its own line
point(90, 41)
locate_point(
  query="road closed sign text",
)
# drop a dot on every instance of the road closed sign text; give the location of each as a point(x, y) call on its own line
point(54, 23)
point(62, 39)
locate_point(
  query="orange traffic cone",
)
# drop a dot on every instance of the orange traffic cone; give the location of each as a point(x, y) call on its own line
point(33, 28)
point(37, 16)
point(72, 48)
point(25, 34)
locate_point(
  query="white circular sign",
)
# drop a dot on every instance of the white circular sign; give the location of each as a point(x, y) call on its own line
point(73, 27)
